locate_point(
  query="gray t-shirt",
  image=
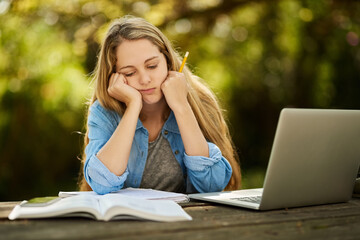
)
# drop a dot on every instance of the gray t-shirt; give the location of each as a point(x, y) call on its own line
point(162, 170)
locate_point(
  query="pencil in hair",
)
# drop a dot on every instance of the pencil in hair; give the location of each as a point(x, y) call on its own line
point(184, 61)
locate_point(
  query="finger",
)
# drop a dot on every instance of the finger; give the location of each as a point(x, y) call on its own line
point(172, 74)
point(175, 74)
point(164, 84)
point(113, 79)
point(122, 78)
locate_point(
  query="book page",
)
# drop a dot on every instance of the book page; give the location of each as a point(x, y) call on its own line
point(162, 210)
point(152, 194)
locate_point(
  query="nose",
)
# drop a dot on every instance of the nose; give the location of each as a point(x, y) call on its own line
point(144, 78)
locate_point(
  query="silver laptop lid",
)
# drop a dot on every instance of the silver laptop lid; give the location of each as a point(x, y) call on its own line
point(314, 159)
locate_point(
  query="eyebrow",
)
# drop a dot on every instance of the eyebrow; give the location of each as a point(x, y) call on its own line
point(147, 60)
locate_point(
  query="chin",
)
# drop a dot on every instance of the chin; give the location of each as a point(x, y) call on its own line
point(152, 100)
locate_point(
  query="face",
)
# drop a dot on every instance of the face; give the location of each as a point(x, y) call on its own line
point(144, 68)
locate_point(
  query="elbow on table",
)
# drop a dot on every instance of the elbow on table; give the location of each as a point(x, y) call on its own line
point(101, 189)
point(208, 183)
point(100, 179)
point(99, 183)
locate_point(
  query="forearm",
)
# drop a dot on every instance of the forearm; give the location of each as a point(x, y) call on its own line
point(115, 153)
point(194, 141)
point(210, 174)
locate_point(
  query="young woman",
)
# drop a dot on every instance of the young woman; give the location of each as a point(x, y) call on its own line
point(150, 126)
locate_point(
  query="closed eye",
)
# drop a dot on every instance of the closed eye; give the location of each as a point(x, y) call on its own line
point(129, 74)
point(152, 66)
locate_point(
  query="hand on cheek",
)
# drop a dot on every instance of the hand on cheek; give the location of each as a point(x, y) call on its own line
point(121, 91)
point(175, 90)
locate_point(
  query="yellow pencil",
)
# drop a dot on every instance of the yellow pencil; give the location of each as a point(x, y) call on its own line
point(184, 61)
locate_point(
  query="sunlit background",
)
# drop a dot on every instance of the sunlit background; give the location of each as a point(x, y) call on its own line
point(257, 56)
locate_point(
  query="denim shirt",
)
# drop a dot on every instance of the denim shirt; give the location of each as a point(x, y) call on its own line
point(202, 174)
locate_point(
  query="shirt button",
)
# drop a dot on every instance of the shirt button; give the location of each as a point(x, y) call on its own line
point(166, 132)
point(176, 152)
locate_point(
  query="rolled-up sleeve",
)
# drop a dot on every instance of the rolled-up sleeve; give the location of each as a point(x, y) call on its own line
point(208, 174)
point(101, 125)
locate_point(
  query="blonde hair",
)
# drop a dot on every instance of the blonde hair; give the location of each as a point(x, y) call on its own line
point(201, 99)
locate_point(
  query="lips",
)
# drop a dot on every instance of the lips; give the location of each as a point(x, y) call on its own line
point(147, 91)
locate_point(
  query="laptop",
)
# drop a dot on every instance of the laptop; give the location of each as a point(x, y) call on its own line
point(314, 160)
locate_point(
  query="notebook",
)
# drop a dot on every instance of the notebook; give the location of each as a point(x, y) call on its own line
point(314, 160)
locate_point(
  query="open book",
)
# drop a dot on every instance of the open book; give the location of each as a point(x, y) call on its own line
point(143, 193)
point(105, 208)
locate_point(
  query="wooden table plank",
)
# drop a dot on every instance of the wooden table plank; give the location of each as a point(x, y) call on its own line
point(210, 221)
point(5, 209)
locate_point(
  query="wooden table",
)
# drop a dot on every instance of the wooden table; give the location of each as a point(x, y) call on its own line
point(210, 221)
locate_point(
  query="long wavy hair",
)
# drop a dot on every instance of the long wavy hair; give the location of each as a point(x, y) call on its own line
point(201, 99)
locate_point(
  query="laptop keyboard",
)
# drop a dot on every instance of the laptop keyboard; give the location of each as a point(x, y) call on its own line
point(253, 199)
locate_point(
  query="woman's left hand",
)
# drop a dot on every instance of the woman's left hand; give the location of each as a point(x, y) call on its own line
point(175, 90)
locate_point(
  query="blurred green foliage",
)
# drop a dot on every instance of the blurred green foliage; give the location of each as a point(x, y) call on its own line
point(257, 56)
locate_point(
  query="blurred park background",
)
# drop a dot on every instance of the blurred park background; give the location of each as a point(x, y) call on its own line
point(257, 56)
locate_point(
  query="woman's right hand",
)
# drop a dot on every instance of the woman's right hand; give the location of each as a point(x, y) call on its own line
point(121, 91)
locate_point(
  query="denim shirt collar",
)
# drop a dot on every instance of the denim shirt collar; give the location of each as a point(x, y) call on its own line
point(170, 124)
